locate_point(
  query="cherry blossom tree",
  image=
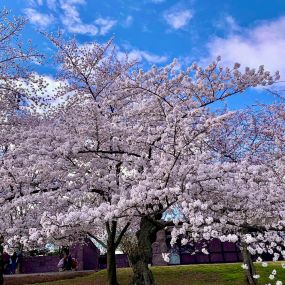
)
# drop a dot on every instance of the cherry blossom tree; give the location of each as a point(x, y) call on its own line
point(17, 85)
point(127, 145)
point(66, 151)
point(174, 138)
point(243, 202)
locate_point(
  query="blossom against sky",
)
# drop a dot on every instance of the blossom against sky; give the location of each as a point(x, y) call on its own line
point(156, 31)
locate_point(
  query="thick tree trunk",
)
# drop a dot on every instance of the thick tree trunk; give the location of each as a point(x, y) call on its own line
point(141, 256)
point(141, 273)
point(250, 271)
point(111, 265)
point(1, 261)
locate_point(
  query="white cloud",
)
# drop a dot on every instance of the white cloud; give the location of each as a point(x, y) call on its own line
point(178, 19)
point(105, 25)
point(74, 2)
point(51, 4)
point(72, 21)
point(31, 3)
point(128, 21)
point(83, 29)
point(261, 45)
point(227, 23)
point(70, 17)
point(71, 14)
point(140, 55)
point(40, 19)
point(34, 3)
point(232, 24)
point(74, 24)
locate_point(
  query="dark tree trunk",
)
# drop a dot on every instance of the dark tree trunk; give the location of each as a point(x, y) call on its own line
point(141, 256)
point(1, 261)
point(250, 271)
point(111, 255)
point(111, 265)
point(142, 275)
point(111, 246)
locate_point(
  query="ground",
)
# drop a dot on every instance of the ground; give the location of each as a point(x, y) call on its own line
point(212, 274)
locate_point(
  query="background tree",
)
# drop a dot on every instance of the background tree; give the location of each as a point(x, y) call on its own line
point(244, 201)
point(16, 88)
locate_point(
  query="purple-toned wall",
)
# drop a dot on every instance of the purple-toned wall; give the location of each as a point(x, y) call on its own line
point(122, 260)
point(39, 264)
point(87, 256)
point(76, 252)
point(218, 252)
point(90, 256)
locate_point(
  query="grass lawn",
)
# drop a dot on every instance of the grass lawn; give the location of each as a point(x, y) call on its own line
point(213, 274)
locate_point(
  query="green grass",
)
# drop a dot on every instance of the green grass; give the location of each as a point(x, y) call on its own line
point(210, 274)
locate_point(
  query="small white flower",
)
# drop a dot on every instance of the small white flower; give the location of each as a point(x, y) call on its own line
point(165, 256)
point(278, 282)
point(209, 220)
point(244, 266)
point(205, 251)
point(259, 259)
point(184, 241)
point(256, 276)
point(283, 265)
point(271, 276)
point(264, 264)
point(273, 272)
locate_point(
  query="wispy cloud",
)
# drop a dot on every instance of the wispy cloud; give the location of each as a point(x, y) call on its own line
point(33, 3)
point(52, 4)
point(140, 55)
point(128, 21)
point(67, 12)
point(178, 18)
point(72, 21)
point(105, 24)
point(74, 24)
point(157, 1)
point(227, 23)
point(263, 44)
point(40, 19)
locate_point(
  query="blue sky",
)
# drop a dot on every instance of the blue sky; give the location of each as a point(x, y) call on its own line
point(251, 32)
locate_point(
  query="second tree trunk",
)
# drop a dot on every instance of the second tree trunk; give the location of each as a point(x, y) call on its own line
point(250, 270)
point(141, 255)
